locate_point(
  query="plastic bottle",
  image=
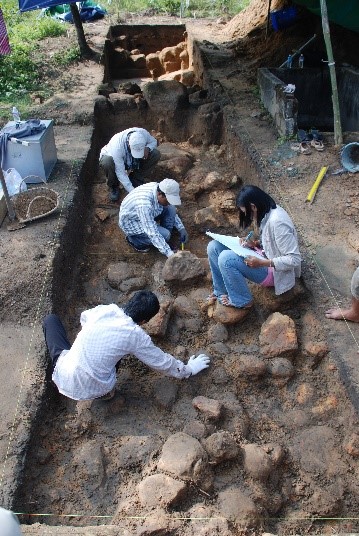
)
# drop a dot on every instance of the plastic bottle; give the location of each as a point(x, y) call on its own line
point(16, 115)
point(301, 61)
point(289, 61)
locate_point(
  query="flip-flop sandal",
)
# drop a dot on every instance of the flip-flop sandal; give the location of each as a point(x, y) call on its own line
point(317, 141)
point(230, 304)
point(317, 144)
point(304, 148)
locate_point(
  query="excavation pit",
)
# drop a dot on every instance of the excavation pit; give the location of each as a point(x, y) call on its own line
point(279, 449)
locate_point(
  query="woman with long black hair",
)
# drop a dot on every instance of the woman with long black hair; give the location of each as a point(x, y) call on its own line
point(278, 243)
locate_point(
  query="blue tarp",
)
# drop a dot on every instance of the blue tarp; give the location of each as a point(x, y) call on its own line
point(87, 10)
point(28, 5)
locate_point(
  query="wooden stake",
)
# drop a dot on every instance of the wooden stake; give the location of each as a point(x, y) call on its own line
point(338, 135)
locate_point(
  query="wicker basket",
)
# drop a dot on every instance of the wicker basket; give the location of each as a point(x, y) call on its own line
point(34, 203)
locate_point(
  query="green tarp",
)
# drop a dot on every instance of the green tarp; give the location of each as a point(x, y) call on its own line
point(344, 12)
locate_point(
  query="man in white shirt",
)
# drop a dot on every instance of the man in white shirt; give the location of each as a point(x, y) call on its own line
point(87, 369)
point(9, 524)
point(148, 216)
point(126, 158)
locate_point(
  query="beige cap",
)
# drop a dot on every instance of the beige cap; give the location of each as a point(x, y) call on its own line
point(137, 144)
point(171, 190)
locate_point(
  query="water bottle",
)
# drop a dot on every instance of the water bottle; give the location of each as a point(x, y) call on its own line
point(16, 115)
point(289, 61)
point(301, 61)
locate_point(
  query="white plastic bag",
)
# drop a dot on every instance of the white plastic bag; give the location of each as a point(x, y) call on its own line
point(13, 181)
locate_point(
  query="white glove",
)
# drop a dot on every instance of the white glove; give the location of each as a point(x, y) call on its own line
point(196, 364)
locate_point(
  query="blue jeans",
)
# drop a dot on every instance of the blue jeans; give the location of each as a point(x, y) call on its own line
point(230, 274)
point(165, 227)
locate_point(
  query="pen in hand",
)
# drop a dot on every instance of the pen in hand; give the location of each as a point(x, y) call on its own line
point(249, 236)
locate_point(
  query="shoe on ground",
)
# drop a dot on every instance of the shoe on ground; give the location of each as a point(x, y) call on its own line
point(114, 195)
point(140, 249)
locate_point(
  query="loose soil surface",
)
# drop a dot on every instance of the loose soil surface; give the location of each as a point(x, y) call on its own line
point(290, 421)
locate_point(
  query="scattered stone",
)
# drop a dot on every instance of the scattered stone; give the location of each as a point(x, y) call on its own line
point(221, 377)
point(238, 508)
point(236, 419)
point(185, 307)
point(224, 200)
point(257, 463)
point(227, 315)
point(195, 429)
point(205, 522)
point(165, 392)
point(326, 407)
point(251, 367)
point(165, 97)
point(157, 523)
point(208, 216)
point(160, 490)
point(193, 324)
point(102, 214)
point(182, 266)
point(218, 348)
point(326, 501)
point(278, 336)
point(217, 333)
point(129, 88)
point(199, 295)
point(210, 408)
point(352, 445)
point(134, 283)
point(119, 272)
point(157, 326)
point(175, 168)
point(281, 368)
point(187, 77)
point(315, 351)
point(220, 447)
point(184, 457)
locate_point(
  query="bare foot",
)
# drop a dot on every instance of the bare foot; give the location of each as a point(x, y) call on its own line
point(224, 299)
point(342, 314)
point(211, 299)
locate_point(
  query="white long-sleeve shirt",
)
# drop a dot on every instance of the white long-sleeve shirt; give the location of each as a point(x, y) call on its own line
point(87, 370)
point(138, 212)
point(280, 243)
point(116, 148)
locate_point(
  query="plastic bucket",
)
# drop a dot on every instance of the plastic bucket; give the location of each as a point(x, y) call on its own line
point(350, 157)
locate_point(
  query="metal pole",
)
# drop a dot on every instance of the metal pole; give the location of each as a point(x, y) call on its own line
point(299, 50)
point(10, 208)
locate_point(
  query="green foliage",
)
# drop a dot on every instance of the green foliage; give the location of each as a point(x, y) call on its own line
point(17, 72)
point(65, 57)
point(39, 29)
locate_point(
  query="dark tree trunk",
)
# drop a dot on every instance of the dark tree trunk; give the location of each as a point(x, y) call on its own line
point(85, 50)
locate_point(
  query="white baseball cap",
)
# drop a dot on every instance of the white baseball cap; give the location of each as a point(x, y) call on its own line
point(171, 190)
point(137, 144)
point(9, 523)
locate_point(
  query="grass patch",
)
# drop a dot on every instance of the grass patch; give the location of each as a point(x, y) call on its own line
point(66, 57)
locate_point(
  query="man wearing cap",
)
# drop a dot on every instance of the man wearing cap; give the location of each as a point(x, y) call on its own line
point(148, 216)
point(126, 157)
